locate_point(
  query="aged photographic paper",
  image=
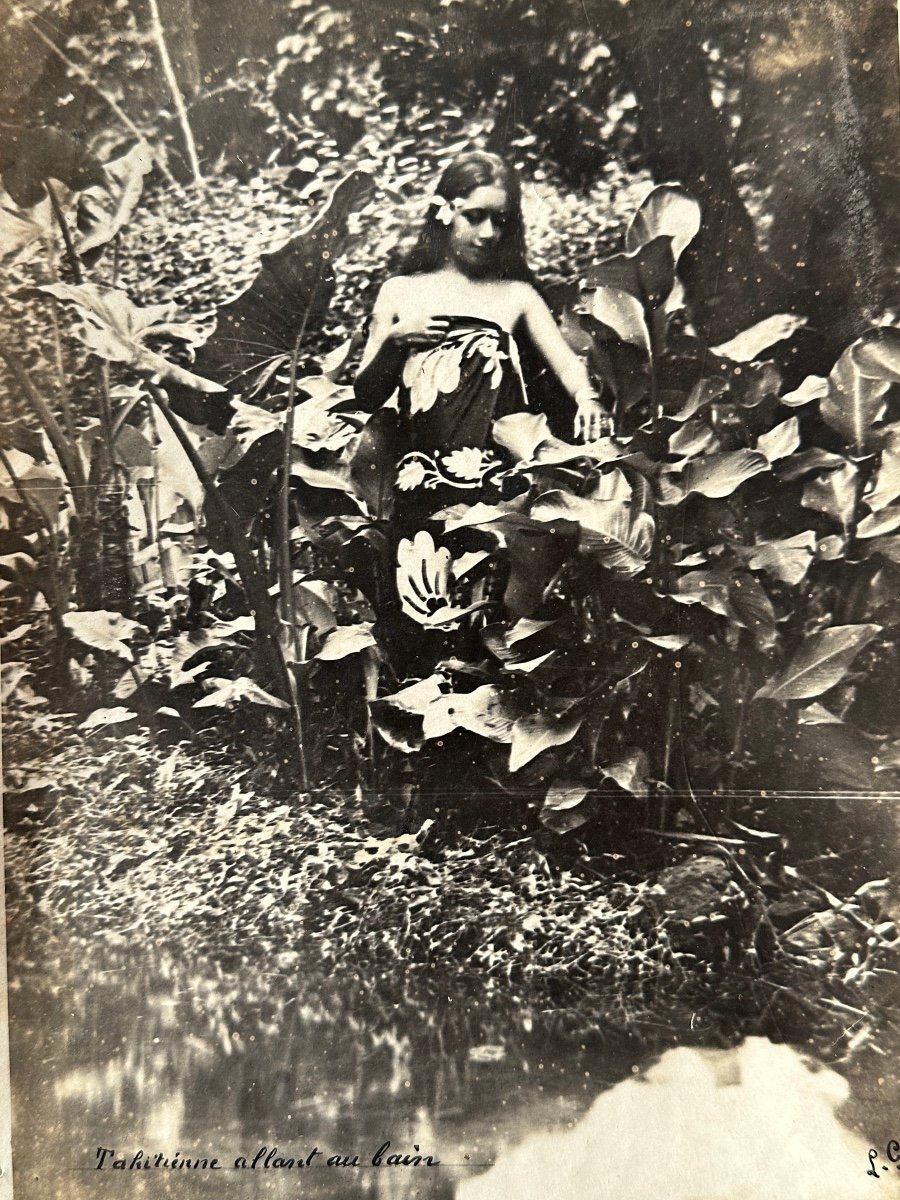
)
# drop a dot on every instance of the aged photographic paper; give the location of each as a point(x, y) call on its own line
point(450, 512)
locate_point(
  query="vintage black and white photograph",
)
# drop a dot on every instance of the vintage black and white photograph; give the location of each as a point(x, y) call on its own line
point(450, 563)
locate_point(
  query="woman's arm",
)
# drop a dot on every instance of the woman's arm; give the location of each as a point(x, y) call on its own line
point(390, 340)
point(591, 418)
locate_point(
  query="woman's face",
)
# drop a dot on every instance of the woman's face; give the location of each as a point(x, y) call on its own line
point(477, 227)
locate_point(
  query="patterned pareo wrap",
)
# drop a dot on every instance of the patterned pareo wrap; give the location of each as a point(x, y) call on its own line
point(449, 397)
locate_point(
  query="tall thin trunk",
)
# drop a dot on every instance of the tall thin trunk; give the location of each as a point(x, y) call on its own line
point(159, 36)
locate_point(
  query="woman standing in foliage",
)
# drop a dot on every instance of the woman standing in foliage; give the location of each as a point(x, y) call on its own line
point(441, 336)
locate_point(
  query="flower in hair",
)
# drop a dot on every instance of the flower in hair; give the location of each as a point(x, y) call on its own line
point(446, 209)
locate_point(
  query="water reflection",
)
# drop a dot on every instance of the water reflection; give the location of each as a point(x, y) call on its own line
point(202, 1062)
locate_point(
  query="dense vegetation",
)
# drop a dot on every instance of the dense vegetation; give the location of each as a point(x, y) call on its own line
point(619, 649)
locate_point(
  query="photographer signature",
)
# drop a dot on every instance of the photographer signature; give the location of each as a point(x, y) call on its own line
point(891, 1153)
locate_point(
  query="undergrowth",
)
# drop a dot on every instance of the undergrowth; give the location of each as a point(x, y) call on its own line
point(190, 853)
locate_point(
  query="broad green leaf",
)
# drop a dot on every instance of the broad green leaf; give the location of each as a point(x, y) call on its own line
point(751, 343)
point(345, 640)
point(647, 273)
point(34, 154)
point(787, 559)
point(488, 711)
point(630, 772)
point(667, 641)
point(537, 732)
point(878, 523)
point(877, 353)
point(817, 714)
point(709, 588)
point(716, 475)
point(668, 211)
point(807, 462)
point(44, 492)
point(528, 438)
point(399, 717)
point(315, 427)
point(704, 392)
point(885, 487)
point(292, 292)
point(781, 441)
point(623, 314)
point(821, 661)
point(833, 494)
point(103, 630)
point(102, 717)
point(614, 530)
point(107, 209)
point(117, 330)
point(858, 384)
point(313, 604)
point(564, 808)
point(888, 547)
point(813, 387)
point(753, 608)
point(227, 693)
point(694, 437)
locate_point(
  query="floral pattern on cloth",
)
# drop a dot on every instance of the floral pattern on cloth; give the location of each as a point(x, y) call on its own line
point(465, 467)
point(449, 397)
point(440, 370)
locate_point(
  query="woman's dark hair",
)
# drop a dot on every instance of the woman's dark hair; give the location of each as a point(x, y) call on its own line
point(464, 174)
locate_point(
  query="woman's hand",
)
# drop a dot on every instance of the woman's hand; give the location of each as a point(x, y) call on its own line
point(419, 333)
point(592, 421)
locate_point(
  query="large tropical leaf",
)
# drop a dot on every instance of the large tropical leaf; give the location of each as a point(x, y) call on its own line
point(631, 772)
point(647, 273)
point(399, 718)
point(346, 640)
point(315, 426)
point(103, 630)
point(614, 529)
point(623, 314)
point(564, 808)
point(821, 661)
point(787, 559)
point(813, 387)
point(488, 711)
point(107, 209)
point(528, 439)
point(540, 731)
point(227, 693)
point(858, 384)
point(668, 211)
point(291, 293)
point(117, 330)
point(759, 337)
point(30, 156)
point(885, 486)
point(781, 441)
point(715, 475)
point(833, 493)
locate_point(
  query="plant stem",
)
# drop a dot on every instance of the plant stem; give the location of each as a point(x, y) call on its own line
point(159, 36)
point(64, 403)
point(264, 614)
point(71, 253)
point(285, 572)
point(68, 458)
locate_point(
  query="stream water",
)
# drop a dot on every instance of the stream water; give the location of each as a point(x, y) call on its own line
point(139, 1053)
